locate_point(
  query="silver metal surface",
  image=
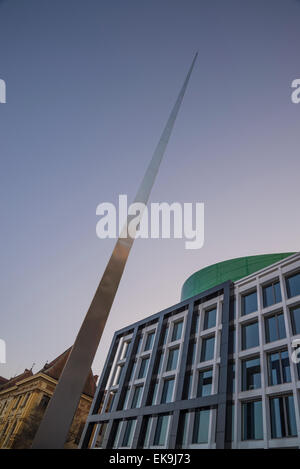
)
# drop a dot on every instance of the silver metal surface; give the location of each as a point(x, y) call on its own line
point(58, 417)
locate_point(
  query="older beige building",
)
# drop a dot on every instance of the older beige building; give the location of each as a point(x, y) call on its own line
point(23, 401)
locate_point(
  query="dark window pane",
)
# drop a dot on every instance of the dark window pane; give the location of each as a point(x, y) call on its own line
point(229, 422)
point(283, 421)
point(279, 368)
point(272, 294)
point(143, 368)
point(251, 374)
point(210, 318)
point(250, 337)
point(293, 285)
point(165, 335)
point(204, 383)
point(252, 420)
point(275, 328)
point(161, 430)
point(128, 435)
point(161, 358)
point(177, 331)
point(201, 425)
point(295, 314)
point(149, 341)
point(208, 346)
point(137, 397)
point(187, 388)
point(167, 392)
point(172, 359)
point(249, 303)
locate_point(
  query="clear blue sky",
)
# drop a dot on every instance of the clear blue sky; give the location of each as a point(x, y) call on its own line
point(89, 87)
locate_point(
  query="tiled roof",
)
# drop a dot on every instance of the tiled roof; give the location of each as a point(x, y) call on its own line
point(54, 370)
point(13, 381)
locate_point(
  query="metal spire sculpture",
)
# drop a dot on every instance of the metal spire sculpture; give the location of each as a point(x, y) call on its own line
point(61, 409)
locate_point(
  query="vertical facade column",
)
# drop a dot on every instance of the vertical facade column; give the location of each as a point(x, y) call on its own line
point(223, 374)
point(87, 431)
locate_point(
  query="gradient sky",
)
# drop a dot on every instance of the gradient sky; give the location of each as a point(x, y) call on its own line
point(89, 87)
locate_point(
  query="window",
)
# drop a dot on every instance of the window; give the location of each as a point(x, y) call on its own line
point(167, 392)
point(128, 435)
point(208, 347)
point(161, 430)
point(272, 294)
point(279, 368)
point(17, 402)
point(25, 400)
point(192, 352)
point(137, 397)
point(172, 359)
point(100, 436)
point(177, 331)
point(126, 398)
point(139, 344)
point(182, 438)
point(187, 388)
point(154, 393)
point(251, 378)
point(110, 401)
point(295, 317)
point(201, 426)
point(160, 362)
point(275, 328)
point(252, 428)
point(249, 303)
point(132, 371)
point(283, 421)
point(146, 431)
point(210, 318)
point(165, 335)
point(44, 402)
point(293, 285)
point(117, 430)
point(143, 368)
point(149, 341)
point(196, 322)
point(118, 374)
point(250, 337)
point(124, 350)
point(204, 383)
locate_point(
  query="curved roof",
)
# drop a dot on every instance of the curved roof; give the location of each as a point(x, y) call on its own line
point(233, 269)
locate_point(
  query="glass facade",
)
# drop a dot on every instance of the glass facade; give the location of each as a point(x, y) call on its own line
point(249, 303)
point(210, 318)
point(275, 328)
point(187, 366)
point(252, 420)
point(250, 335)
point(279, 368)
point(201, 426)
point(293, 285)
point(205, 383)
point(167, 392)
point(208, 347)
point(271, 294)
point(251, 376)
point(283, 419)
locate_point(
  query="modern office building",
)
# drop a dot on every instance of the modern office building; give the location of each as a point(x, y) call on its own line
point(216, 370)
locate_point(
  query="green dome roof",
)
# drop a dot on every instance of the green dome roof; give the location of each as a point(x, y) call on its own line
point(233, 269)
